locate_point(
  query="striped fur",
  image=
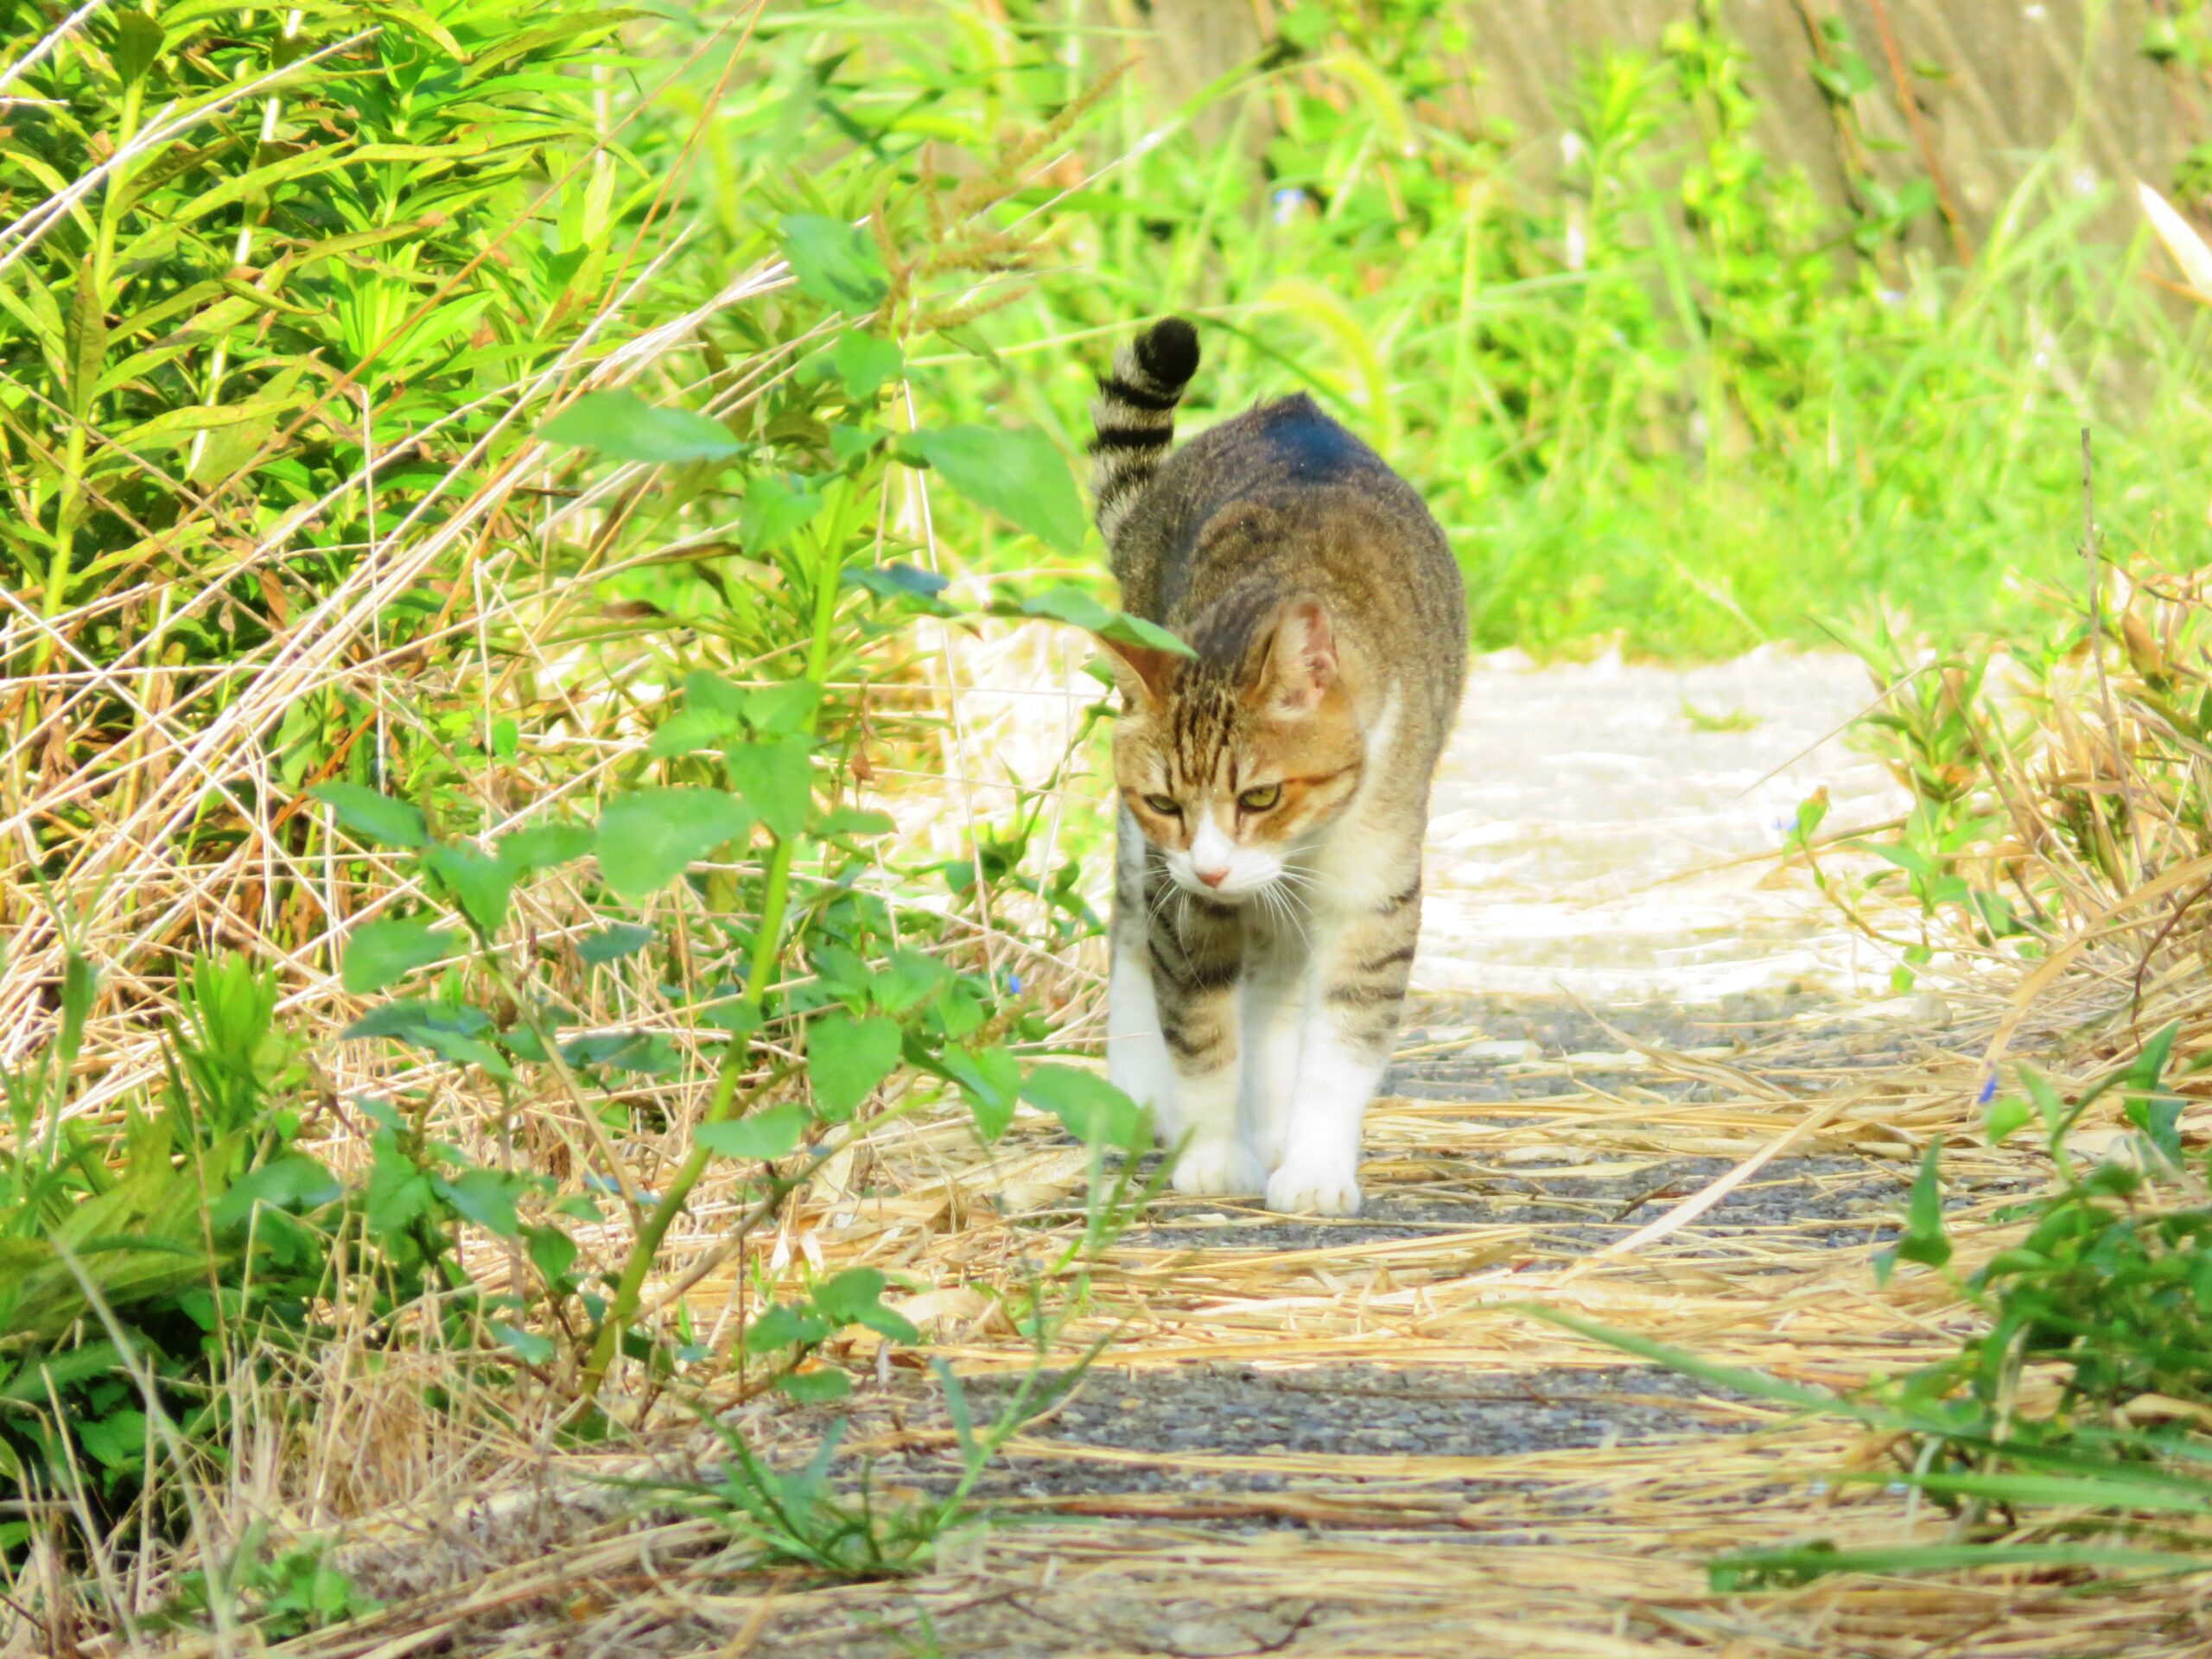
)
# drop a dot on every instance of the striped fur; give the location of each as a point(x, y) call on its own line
point(1274, 784)
point(1134, 416)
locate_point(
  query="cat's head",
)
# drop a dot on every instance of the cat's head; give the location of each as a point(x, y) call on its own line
point(1228, 762)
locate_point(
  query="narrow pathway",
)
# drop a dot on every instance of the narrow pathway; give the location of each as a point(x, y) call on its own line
point(1652, 1086)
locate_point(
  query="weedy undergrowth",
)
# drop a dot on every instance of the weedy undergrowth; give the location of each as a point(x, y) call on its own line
point(474, 1228)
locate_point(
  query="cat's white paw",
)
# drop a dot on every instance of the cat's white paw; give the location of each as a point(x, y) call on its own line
point(1219, 1169)
point(1314, 1186)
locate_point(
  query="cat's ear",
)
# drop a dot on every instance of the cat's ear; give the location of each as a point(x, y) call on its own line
point(1142, 672)
point(1300, 664)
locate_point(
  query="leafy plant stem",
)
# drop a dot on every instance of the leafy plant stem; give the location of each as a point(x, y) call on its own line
point(767, 945)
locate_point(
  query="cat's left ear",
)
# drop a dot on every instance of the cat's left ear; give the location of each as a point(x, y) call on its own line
point(1142, 672)
point(1301, 665)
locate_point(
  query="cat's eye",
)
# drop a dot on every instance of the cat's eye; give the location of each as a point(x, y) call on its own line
point(1260, 799)
point(1165, 805)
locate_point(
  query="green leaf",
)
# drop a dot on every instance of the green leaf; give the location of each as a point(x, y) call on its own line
point(780, 1326)
point(377, 953)
point(2004, 1117)
point(846, 1058)
point(648, 838)
point(866, 365)
point(1078, 609)
point(852, 821)
point(526, 1345)
point(1923, 1240)
point(479, 882)
point(900, 582)
point(834, 261)
point(767, 1133)
point(777, 780)
point(1090, 1106)
point(991, 1082)
point(137, 42)
point(372, 816)
point(545, 845)
point(909, 980)
point(613, 942)
point(291, 1180)
point(87, 339)
point(778, 710)
point(623, 427)
point(688, 731)
point(843, 1298)
point(774, 511)
point(1017, 474)
point(484, 1197)
point(398, 1193)
point(815, 1388)
point(552, 1252)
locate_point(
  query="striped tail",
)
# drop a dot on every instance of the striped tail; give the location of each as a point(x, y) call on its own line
point(1134, 413)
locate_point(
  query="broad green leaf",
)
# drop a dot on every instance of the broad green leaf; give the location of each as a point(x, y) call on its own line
point(689, 731)
point(2004, 1117)
point(991, 1082)
point(291, 1180)
point(896, 580)
point(377, 953)
point(648, 838)
point(479, 882)
point(774, 511)
point(138, 40)
point(767, 1133)
point(776, 710)
point(834, 261)
point(1079, 609)
point(1016, 473)
point(781, 1326)
point(1090, 1106)
point(484, 1197)
point(623, 427)
point(853, 821)
point(846, 1058)
point(777, 780)
point(815, 1388)
point(526, 1345)
point(866, 365)
point(372, 816)
point(843, 1299)
point(613, 942)
point(398, 1193)
point(910, 980)
point(552, 1252)
point(544, 845)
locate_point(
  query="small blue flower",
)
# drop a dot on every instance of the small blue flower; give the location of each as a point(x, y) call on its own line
point(1988, 1090)
point(1286, 202)
point(1013, 984)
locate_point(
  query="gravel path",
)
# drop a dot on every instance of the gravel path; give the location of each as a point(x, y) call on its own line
point(1315, 1437)
point(1593, 849)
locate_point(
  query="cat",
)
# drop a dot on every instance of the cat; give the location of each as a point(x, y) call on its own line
point(1273, 787)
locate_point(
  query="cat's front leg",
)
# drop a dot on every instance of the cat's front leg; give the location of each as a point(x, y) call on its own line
point(1136, 1054)
point(1197, 957)
point(1274, 1031)
point(1362, 964)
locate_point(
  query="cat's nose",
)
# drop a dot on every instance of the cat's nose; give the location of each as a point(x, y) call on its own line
point(1213, 878)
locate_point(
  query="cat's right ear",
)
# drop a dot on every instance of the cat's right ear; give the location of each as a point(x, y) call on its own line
point(1142, 672)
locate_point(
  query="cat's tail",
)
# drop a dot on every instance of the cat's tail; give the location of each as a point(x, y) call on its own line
point(1134, 413)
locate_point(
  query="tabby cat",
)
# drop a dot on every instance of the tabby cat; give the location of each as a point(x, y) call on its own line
point(1274, 786)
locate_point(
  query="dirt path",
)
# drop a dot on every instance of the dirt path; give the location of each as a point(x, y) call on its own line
point(1350, 1438)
